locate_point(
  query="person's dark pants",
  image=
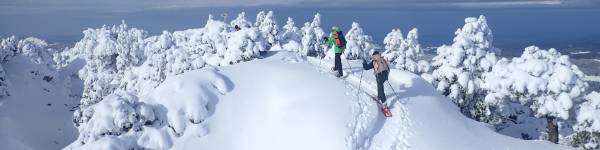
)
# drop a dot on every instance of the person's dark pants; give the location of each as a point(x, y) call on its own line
point(381, 78)
point(338, 64)
point(380, 89)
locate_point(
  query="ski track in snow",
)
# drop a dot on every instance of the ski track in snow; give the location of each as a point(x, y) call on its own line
point(370, 127)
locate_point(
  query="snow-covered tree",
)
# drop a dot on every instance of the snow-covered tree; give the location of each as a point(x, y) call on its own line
point(312, 38)
point(33, 56)
point(457, 68)
point(122, 63)
point(290, 37)
point(108, 52)
point(8, 48)
point(358, 44)
point(113, 116)
point(392, 44)
point(243, 46)
point(543, 80)
point(260, 17)
point(269, 29)
point(290, 31)
point(37, 51)
point(164, 57)
point(241, 21)
point(405, 53)
point(588, 123)
point(115, 53)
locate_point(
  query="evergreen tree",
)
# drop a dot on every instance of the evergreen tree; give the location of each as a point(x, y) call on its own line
point(358, 43)
point(542, 80)
point(312, 38)
point(458, 68)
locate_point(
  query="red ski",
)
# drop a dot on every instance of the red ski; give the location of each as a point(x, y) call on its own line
point(384, 109)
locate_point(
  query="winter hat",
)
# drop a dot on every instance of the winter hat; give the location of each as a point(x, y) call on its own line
point(334, 28)
point(375, 53)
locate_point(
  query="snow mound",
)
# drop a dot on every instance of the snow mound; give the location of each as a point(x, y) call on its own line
point(181, 105)
point(184, 103)
point(283, 110)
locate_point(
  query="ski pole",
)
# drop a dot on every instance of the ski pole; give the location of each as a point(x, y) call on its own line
point(391, 86)
point(359, 82)
point(360, 79)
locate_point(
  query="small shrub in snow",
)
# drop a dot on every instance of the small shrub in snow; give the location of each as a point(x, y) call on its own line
point(457, 68)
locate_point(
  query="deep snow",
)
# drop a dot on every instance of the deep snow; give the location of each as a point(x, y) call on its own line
point(288, 102)
point(277, 105)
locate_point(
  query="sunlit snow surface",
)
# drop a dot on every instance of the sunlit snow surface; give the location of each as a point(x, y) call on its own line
point(288, 102)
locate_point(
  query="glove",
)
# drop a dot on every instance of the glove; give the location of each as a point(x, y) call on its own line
point(364, 64)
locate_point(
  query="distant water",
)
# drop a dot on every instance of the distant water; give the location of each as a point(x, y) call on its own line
point(568, 30)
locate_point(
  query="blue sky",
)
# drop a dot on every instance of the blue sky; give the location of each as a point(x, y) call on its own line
point(515, 23)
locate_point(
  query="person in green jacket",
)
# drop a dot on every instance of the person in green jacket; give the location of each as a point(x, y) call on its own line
point(336, 39)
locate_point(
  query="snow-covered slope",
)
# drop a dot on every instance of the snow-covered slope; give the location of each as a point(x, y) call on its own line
point(277, 105)
point(287, 102)
point(36, 99)
point(37, 114)
point(423, 119)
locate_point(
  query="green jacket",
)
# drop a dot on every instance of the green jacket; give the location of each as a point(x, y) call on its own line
point(331, 41)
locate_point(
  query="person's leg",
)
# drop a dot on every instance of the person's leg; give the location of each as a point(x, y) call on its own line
point(380, 90)
point(338, 64)
point(335, 62)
